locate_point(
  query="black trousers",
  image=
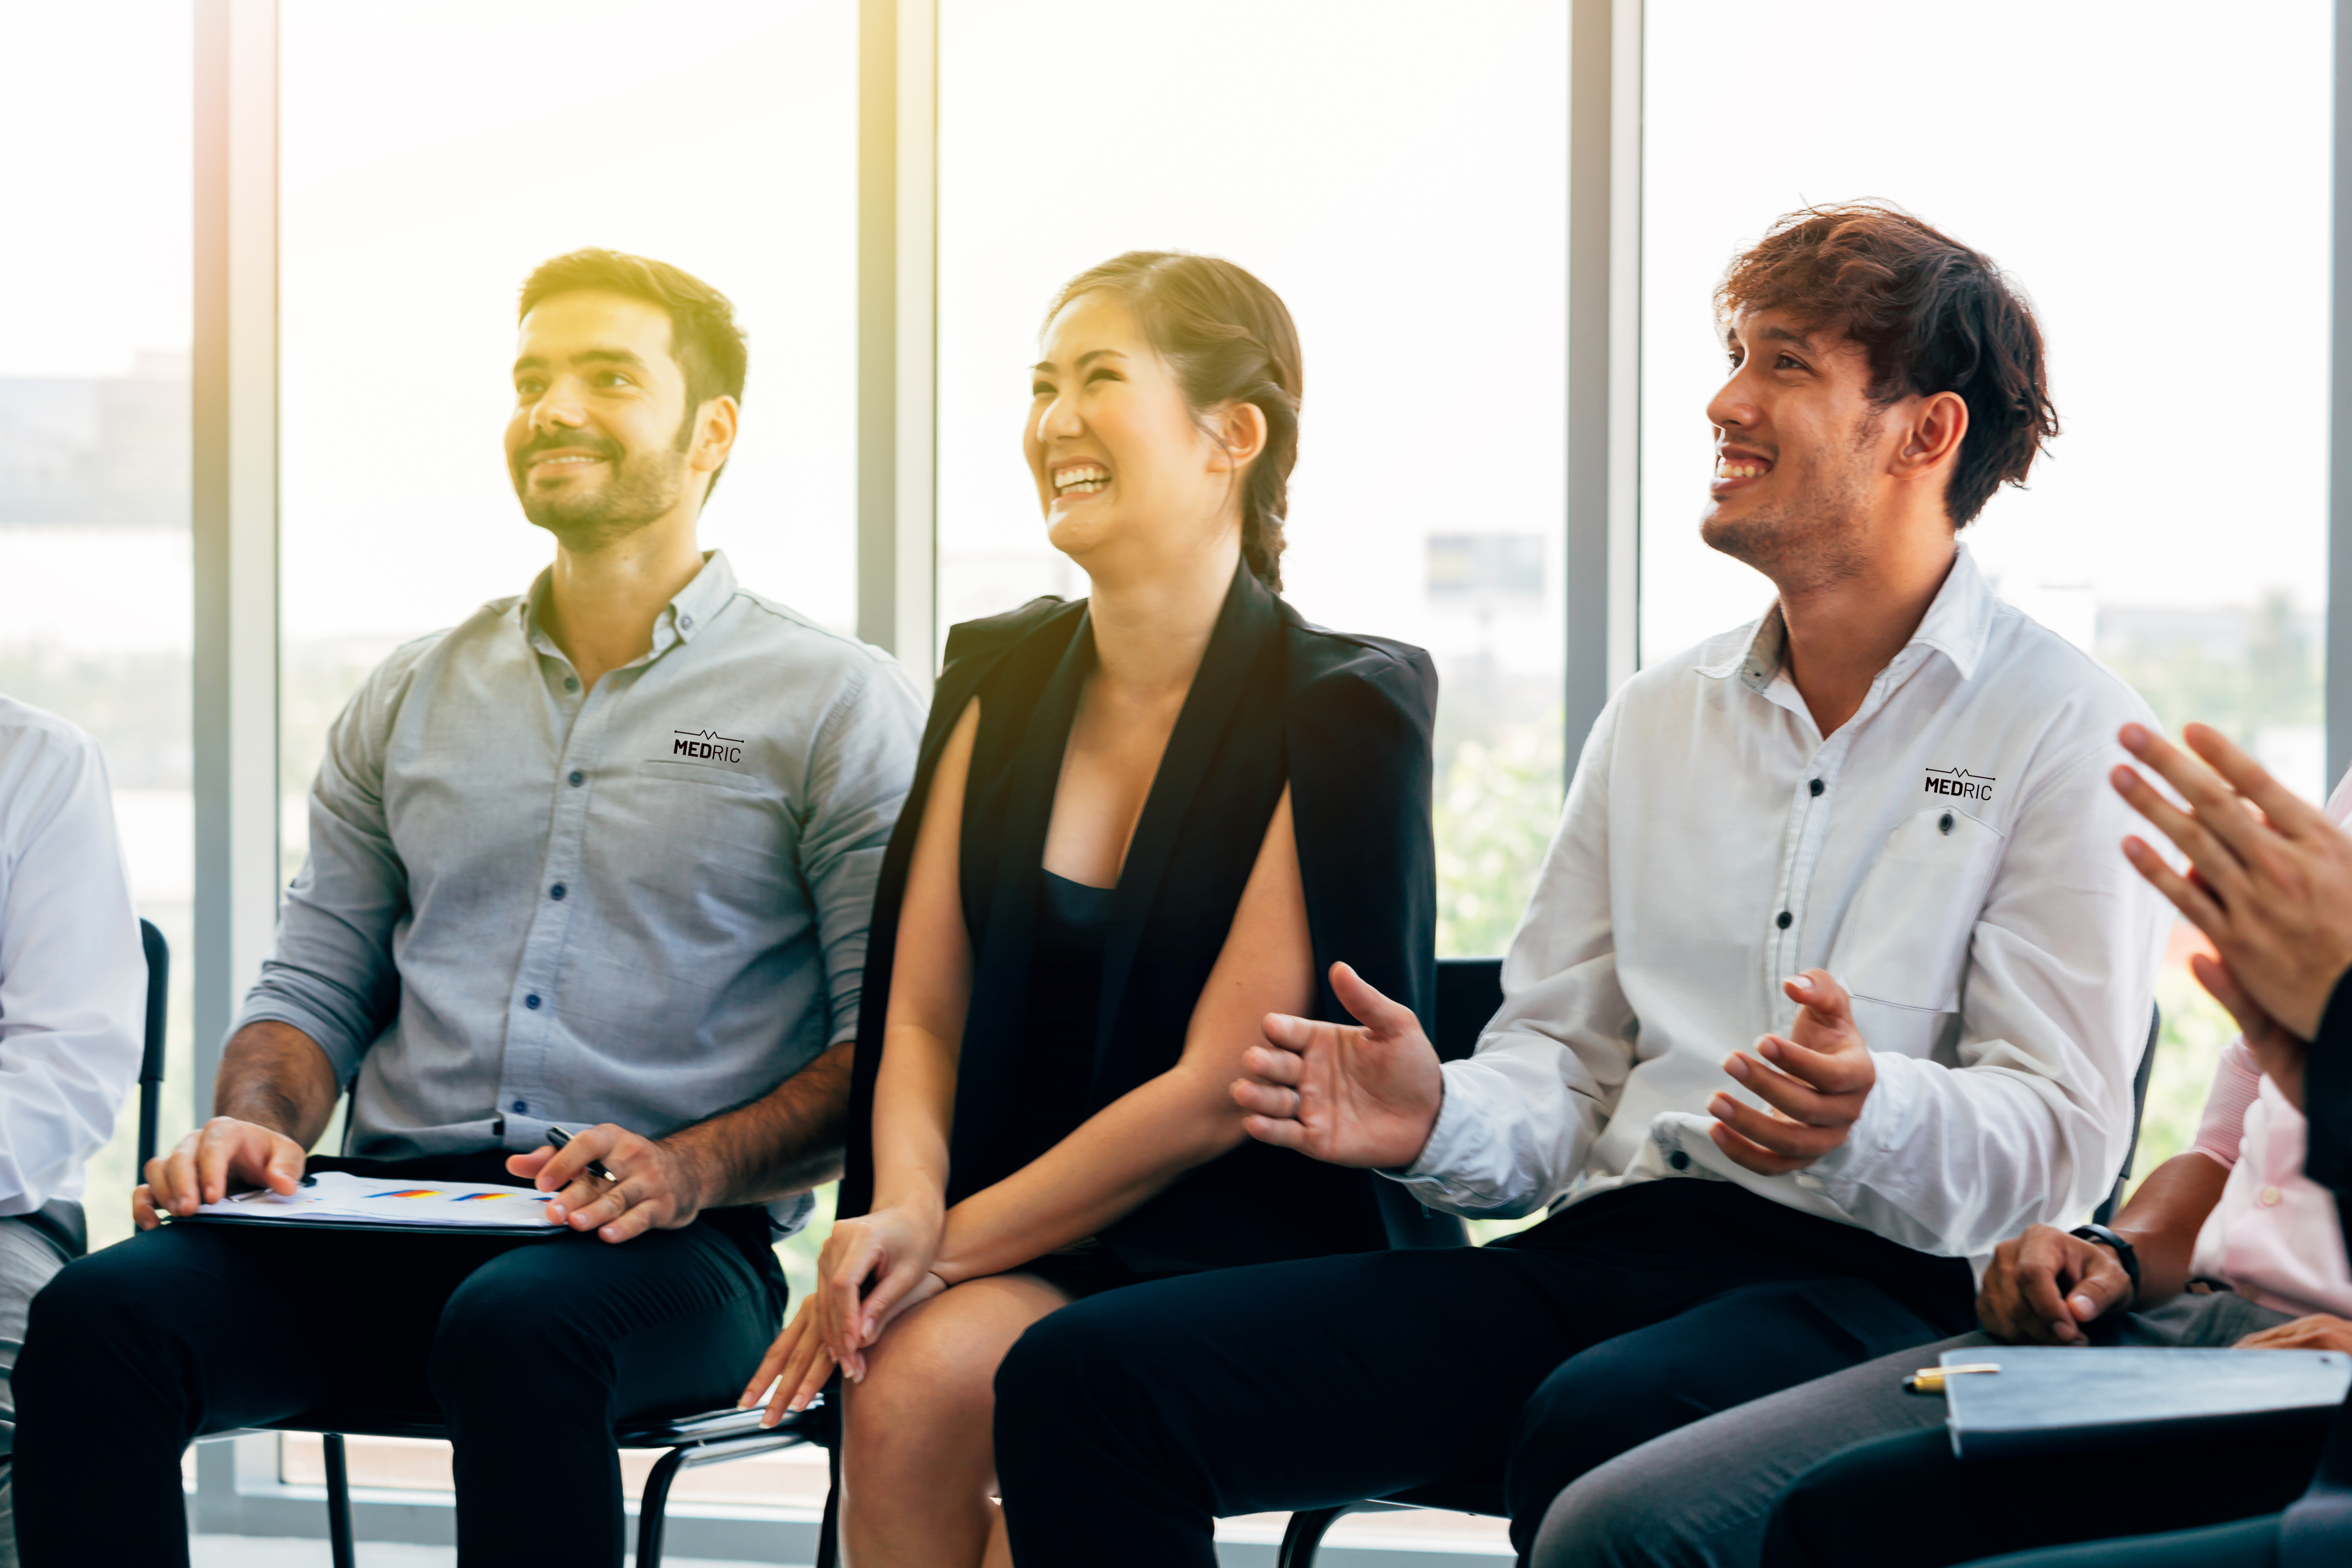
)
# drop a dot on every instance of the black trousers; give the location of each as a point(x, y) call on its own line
point(1128, 1423)
point(1865, 1508)
point(531, 1350)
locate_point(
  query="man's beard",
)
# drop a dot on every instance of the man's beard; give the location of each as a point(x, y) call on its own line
point(1817, 538)
point(638, 488)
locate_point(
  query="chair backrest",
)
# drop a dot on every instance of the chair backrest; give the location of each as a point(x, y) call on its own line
point(2107, 1211)
point(151, 1062)
point(1469, 994)
point(1469, 990)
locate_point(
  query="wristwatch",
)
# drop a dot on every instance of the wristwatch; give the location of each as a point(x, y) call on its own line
point(2119, 1247)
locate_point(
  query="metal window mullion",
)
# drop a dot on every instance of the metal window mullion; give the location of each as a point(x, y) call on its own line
point(897, 328)
point(1604, 344)
point(234, 528)
point(2339, 465)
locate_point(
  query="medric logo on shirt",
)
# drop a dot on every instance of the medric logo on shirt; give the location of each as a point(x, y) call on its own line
point(1959, 782)
point(706, 746)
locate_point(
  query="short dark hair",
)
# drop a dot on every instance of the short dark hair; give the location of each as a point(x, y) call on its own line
point(1933, 316)
point(1230, 339)
point(703, 336)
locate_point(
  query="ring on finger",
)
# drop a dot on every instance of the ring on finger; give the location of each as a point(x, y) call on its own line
point(1297, 1102)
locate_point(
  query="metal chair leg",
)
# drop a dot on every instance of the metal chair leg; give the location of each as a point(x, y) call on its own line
point(338, 1502)
point(1303, 1536)
point(651, 1506)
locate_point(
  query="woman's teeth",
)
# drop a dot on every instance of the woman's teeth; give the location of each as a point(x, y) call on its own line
point(1080, 481)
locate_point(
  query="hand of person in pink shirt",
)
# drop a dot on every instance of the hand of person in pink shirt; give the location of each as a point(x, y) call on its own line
point(2270, 877)
point(2279, 1054)
point(2320, 1331)
point(2043, 1286)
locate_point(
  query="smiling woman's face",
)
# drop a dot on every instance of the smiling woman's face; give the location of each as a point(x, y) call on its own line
point(1119, 458)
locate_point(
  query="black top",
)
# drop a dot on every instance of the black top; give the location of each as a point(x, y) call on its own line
point(1345, 722)
point(1058, 1042)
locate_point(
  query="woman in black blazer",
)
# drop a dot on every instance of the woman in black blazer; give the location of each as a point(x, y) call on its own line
point(1141, 822)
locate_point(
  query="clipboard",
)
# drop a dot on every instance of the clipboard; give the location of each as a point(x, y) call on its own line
point(339, 1200)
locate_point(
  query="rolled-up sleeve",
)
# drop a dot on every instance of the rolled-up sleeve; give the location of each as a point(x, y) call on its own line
point(859, 771)
point(72, 973)
point(332, 973)
point(1520, 1114)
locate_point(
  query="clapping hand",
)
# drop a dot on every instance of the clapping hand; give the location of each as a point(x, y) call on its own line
point(1354, 1094)
point(1815, 1077)
point(2270, 879)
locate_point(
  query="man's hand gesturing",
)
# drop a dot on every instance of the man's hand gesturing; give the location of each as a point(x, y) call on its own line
point(1355, 1094)
point(1816, 1079)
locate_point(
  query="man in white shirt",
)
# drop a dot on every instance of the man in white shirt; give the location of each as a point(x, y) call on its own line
point(72, 990)
point(1830, 981)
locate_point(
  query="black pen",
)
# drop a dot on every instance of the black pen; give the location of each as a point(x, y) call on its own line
point(559, 1137)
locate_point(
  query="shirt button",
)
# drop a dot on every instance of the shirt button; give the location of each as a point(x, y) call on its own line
point(686, 623)
point(556, 893)
point(1816, 786)
point(1678, 1159)
point(1944, 824)
point(1784, 920)
point(571, 683)
point(2270, 1197)
point(531, 1001)
point(578, 778)
point(521, 1106)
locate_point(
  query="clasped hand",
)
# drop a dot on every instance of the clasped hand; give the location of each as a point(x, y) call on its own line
point(873, 1268)
point(1816, 1079)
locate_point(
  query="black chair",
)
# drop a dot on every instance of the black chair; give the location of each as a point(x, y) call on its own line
point(705, 1439)
point(1303, 1537)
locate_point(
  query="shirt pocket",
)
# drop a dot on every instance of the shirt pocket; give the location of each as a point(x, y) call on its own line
point(1904, 944)
point(703, 774)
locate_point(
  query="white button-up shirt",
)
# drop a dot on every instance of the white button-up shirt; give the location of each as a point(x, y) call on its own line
point(1950, 854)
point(73, 977)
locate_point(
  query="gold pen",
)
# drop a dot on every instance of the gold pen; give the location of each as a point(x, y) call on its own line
point(1930, 1379)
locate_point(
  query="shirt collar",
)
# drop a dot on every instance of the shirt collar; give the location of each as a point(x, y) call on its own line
point(1957, 623)
point(693, 608)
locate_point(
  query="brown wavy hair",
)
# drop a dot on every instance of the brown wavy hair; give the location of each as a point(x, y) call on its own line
point(1230, 339)
point(1933, 316)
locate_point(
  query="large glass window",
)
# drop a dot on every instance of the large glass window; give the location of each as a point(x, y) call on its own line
point(2161, 191)
point(1400, 179)
point(94, 549)
point(432, 154)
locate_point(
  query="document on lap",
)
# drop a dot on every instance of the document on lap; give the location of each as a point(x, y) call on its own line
point(339, 1200)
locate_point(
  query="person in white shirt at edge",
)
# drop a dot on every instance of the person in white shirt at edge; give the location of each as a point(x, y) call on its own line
point(73, 984)
point(1831, 979)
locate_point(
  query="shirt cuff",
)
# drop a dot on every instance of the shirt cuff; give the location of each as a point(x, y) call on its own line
point(1887, 1115)
point(1446, 1135)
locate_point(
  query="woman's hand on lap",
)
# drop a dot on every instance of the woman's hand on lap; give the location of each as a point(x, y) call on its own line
point(869, 1266)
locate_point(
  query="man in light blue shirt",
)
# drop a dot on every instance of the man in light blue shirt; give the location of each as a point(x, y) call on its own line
point(600, 857)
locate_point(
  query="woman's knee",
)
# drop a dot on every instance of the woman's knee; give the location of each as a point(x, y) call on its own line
point(930, 1378)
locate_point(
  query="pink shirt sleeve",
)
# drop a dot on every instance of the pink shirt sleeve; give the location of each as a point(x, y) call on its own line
point(2223, 1129)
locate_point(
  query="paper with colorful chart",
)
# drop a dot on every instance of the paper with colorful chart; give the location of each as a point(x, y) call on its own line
point(338, 1198)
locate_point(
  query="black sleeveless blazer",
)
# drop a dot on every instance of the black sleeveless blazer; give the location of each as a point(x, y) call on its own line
point(1345, 721)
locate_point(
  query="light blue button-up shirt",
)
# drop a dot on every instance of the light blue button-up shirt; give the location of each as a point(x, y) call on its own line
point(642, 904)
